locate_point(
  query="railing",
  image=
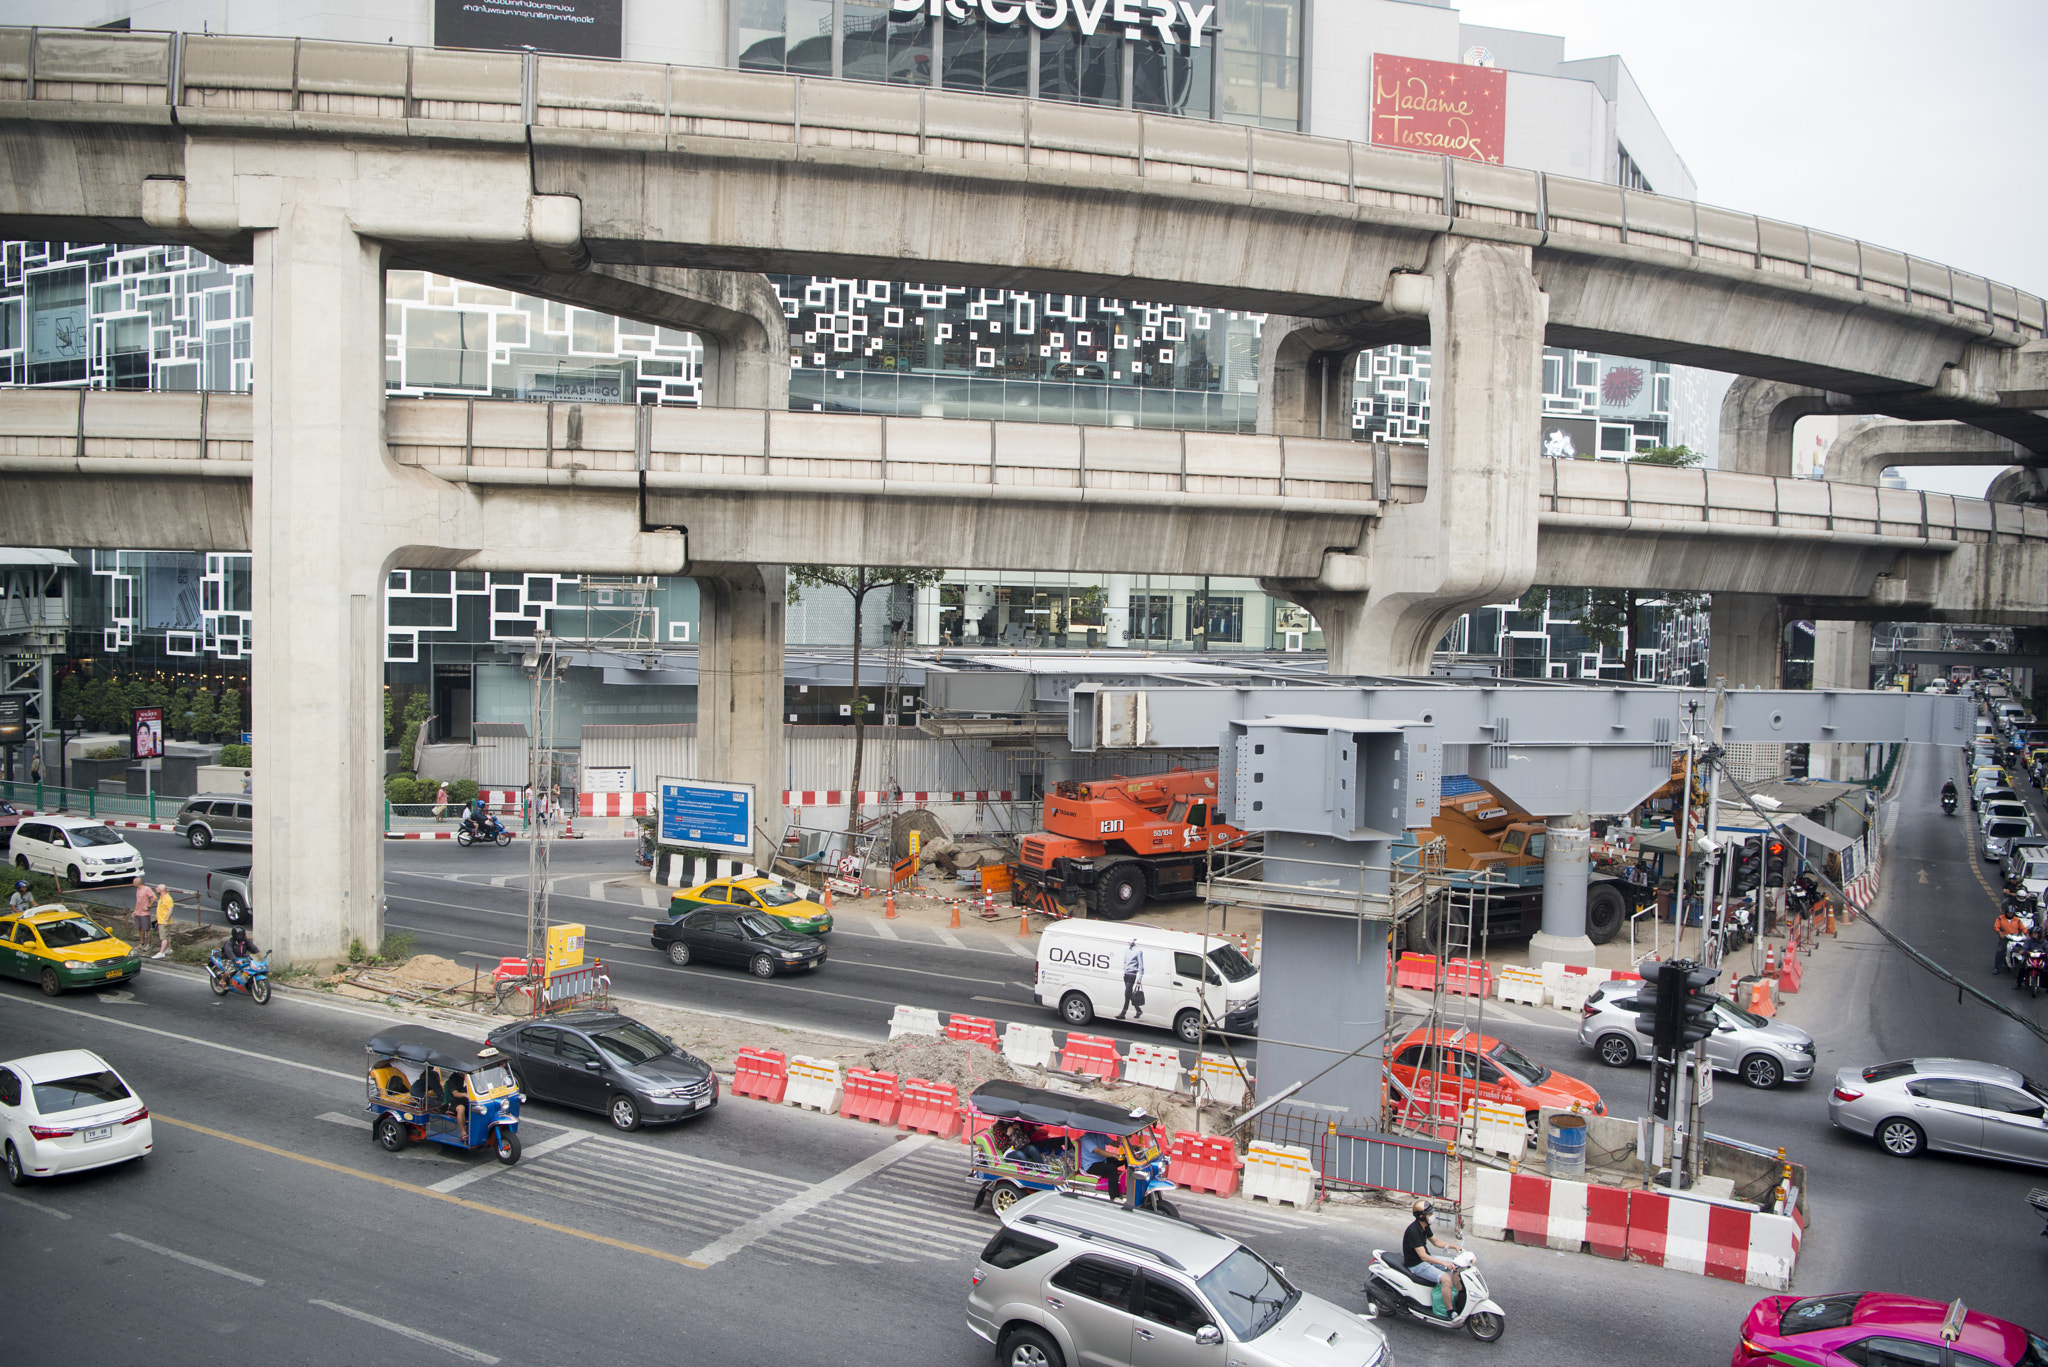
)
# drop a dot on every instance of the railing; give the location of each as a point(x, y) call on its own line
point(1600, 491)
point(90, 802)
point(363, 88)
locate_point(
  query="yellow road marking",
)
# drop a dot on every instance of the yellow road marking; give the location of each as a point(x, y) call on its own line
point(432, 1195)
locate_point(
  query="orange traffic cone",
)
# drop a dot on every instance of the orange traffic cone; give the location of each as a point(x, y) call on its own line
point(956, 916)
point(1023, 922)
point(828, 897)
point(890, 913)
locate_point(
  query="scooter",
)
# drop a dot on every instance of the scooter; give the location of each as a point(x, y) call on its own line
point(2030, 969)
point(1948, 804)
point(1394, 1291)
point(491, 833)
point(250, 976)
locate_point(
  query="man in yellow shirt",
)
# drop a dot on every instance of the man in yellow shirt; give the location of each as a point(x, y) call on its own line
point(163, 920)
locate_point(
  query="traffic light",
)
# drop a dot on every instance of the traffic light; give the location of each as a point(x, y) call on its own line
point(1748, 870)
point(1694, 1013)
point(1775, 854)
point(1647, 1007)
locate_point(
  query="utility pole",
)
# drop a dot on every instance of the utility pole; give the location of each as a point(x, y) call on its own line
point(543, 665)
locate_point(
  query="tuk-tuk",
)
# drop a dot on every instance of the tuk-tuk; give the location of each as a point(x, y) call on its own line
point(1024, 1139)
point(427, 1086)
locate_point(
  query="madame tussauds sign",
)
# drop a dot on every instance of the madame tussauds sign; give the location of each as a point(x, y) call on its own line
point(1170, 21)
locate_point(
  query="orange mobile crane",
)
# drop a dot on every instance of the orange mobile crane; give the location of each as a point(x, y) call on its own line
point(1117, 843)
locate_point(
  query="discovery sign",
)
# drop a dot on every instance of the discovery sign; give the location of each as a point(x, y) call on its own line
point(1168, 21)
point(711, 816)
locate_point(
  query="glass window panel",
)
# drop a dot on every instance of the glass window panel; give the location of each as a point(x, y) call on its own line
point(1080, 70)
point(884, 46)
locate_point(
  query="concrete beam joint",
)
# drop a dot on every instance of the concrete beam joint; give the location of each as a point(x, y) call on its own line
point(1345, 573)
point(166, 204)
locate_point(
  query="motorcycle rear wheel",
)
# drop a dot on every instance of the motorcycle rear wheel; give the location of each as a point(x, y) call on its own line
point(1486, 1326)
point(214, 981)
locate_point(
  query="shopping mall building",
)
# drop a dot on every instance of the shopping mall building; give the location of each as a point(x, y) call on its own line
point(1403, 73)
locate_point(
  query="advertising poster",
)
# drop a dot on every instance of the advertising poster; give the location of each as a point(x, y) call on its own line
point(1571, 438)
point(1442, 108)
point(149, 733)
point(713, 816)
point(1626, 388)
point(577, 28)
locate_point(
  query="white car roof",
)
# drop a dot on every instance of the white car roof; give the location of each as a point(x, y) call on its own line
point(61, 1064)
point(69, 823)
point(1121, 933)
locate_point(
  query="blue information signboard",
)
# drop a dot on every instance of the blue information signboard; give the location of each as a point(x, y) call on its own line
point(711, 815)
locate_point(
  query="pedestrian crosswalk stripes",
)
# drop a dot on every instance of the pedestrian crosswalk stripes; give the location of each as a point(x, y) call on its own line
point(916, 1206)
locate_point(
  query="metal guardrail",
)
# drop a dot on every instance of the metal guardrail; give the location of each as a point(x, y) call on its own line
point(89, 802)
point(280, 83)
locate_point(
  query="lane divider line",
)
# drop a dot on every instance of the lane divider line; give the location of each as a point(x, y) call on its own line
point(34, 1205)
point(431, 1194)
point(189, 1260)
point(771, 1221)
point(461, 1350)
point(493, 1166)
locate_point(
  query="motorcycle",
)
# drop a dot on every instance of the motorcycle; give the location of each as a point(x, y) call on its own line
point(1948, 804)
point(491, 832)
point(1393, 1291)
point(2030, 968)
point(250, 976)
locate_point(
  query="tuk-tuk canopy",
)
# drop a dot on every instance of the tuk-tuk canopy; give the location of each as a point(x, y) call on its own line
point(416, 1044)
point(1037, 1106)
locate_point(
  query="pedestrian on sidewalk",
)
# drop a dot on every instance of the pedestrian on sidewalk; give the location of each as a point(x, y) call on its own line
point(163, 921)
point(35, 766)
point(441, 802)
point(145, 903)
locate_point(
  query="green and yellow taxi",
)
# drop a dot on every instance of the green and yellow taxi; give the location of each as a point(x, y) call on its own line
point(799, 914)
point(63, 949)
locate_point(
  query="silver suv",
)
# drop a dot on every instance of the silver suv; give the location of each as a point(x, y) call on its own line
point(1762, 1052)
point(1070, 1280)
point(217, 818)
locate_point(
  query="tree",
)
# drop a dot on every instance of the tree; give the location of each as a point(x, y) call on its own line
point(1612, 618)
point(227, 713)
point(858, 581)
point(70, 703)
point(416, 714)
point(203, 723)
point(178, 715)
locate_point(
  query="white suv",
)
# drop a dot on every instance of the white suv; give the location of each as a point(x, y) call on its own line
point(74, 848)
point(1071, 1281)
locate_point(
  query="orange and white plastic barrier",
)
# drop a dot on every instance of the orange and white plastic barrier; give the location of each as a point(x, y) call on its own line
point(1279, 1173)
point(814, 1084)
point(1222, 1079)
point(1094, 1055)
point(1203, 1162)
point(1028, 1046)
point(1152, 1065)
point(929, 1108)
point(762, 1074)
point(914, 1020)
point(871, 1096)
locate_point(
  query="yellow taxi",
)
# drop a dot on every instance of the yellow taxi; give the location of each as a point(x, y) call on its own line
point(62, 949)
point(756, 893)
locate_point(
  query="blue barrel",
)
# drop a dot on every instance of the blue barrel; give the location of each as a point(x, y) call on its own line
point(1565, 1154)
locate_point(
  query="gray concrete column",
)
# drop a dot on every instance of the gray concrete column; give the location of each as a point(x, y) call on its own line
point(1841, 659)
point(739, 688)
point(1305, 377)
point(321, 495)
point(1116, 612)
point(1471, 539)
point(1745, 640)
point(1567, 862)
point(1757, 418)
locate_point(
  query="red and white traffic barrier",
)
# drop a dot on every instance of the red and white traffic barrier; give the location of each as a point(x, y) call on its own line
point(1684, 1233)
point(832, 797)
point(615, 804)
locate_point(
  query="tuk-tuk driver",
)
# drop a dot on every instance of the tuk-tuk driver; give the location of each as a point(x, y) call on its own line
point(1102, 1156)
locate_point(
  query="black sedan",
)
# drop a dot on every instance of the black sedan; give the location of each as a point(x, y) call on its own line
point(604, 1062)
point(736, 937)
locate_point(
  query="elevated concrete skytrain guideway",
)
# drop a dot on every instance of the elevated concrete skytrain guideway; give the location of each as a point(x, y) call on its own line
point(627, 187)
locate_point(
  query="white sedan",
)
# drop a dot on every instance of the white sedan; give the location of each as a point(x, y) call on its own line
point(67, 1112)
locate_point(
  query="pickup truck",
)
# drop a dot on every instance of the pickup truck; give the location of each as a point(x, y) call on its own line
point(230, 887)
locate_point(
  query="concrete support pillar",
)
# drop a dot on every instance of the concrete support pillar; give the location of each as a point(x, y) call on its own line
point(1757, 418)
point(1305, 380)
point(1841, 659)
point(321, 533)
point(1471, 539)
point(1567, 861)
point(1746, 640)
point(1116, 612)
point(739, 687)
point(927, 633)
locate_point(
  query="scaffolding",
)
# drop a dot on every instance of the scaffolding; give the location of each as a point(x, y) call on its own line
point(631, 621)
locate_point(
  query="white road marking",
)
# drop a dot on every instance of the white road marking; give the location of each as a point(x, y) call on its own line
point(882, 928)
point(354, 1122)
point(502, 879)
point(650, 899)
point(478, 1174)
point(189, 1260)
point(772, 1221)
point(461, 1350)
point(947, 937)
point(34, 1205)
point(595, 892)
point(1018, 947)
point(185, 1039)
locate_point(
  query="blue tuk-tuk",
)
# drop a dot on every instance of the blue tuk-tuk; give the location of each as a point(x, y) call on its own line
point(429, 1087)
point(1023, 1139)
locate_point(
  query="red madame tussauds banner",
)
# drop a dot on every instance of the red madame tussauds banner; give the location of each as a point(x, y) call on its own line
point(1441, 108)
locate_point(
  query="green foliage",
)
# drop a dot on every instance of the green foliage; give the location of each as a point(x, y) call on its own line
point(397, 946)
point(177, 714)
point(1667, 455)
point(404, 788)
point(389, 720)
point(227, 712)
point(235, 756)
point(199, 719)
point(858, 580)
point(417, 710)
point(92, 704)
point(70, 698)
point(463, 790)
point(107, 752)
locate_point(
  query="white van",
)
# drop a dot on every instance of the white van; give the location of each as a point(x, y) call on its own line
point(1126, 970)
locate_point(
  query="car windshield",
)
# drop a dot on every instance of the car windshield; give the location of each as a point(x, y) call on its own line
point(631, 1044)
point(1231, 963)
point(2035, 871)
point(495, 1078)
point(2032, 1086)
point(76, 931)
point(1816, 1313)
point(772, 896)
point(1251, 1296)
point(1531, 1073)
point(756, 925)
point(77, 1093)
point(83, 837)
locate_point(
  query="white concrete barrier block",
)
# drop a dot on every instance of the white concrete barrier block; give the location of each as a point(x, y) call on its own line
point(1279, 1173)
point(1490, 1203)
point(1773, 1250)
point(1565, 1230)
point(1685, 1237)
point(1149, 1065)
point(1027, 1046)
point(1524, 985)
point(1220, 1079)
point(914, 1020)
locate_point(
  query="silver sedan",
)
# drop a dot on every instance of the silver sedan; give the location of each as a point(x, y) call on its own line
point(1950, 1104)
point(1762, 1052)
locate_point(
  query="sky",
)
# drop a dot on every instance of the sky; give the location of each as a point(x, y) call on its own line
point(1917, 126)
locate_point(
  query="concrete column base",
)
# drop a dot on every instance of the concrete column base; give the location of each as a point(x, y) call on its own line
point(1562, 949)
